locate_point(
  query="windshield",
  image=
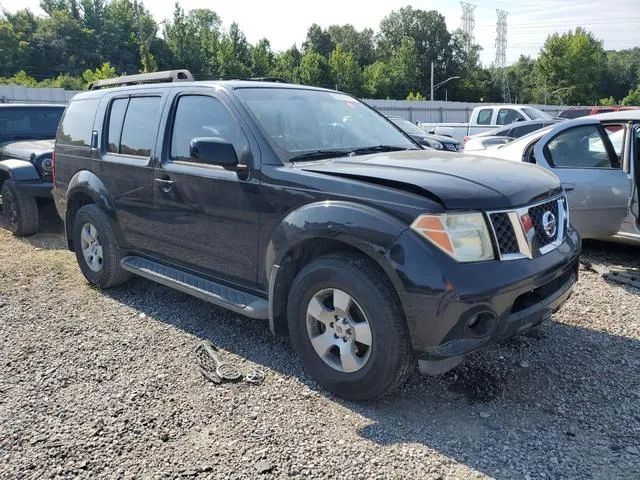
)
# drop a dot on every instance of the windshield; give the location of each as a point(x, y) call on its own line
point(535, 114)
point(29, 122)
point(298, 121)
point(408, 127)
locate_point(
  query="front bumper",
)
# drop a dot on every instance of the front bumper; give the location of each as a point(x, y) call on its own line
point(453, 309)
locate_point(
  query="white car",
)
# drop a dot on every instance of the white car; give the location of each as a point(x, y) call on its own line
point(597, 159)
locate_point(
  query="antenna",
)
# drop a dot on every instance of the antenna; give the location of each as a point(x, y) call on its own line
point(501, 52)
point(468, 22)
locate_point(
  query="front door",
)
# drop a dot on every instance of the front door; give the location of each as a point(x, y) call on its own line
point(598, 189)
point(206, 217)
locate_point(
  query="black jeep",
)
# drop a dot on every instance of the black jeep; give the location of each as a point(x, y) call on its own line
point(27, 134)
point(306, 207)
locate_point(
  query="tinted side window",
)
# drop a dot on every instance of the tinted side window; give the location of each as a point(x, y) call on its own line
point(507, 116)
point(580, 147)
point(484, 116)
point(518, 132)
point(140, 126)
point(574, 113)
point(116, 119)
point(202, 116)
point(77, 123)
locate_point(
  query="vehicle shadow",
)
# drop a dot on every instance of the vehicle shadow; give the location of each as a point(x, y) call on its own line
point(562, 397)
point(50, 235)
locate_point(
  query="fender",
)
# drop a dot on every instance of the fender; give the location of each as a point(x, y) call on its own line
point(85, 183)
point(20, 170)
point(367, 229)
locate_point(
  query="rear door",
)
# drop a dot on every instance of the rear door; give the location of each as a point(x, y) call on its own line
point(206, 217)
point(598, 189)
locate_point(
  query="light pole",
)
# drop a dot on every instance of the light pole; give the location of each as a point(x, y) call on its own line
point(438, 85)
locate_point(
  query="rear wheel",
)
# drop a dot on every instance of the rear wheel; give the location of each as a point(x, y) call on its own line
point(20, 211)
point(348, 328)
point(96, 249)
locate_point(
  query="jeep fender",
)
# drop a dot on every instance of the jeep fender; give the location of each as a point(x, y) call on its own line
point(86, 184)
point(364, 228)
point(19, 170)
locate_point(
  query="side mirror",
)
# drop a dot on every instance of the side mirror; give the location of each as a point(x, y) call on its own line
point(213, 151)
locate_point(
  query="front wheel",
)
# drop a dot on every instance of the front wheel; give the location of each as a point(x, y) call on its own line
point(96, 249)
point(20, 211)
point(347, 327)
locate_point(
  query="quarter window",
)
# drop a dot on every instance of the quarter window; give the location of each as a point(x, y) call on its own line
point(484, 116)
point(202, 116)
point(116, 119)
point(580, 147)
point(77, 123)
point(139, 128)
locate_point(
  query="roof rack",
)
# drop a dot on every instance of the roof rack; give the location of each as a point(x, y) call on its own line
point(155, 77)
point(268, 79)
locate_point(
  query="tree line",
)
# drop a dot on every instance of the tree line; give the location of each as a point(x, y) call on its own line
point(79, 41)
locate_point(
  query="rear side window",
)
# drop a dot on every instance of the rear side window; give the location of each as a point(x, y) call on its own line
point(574, 113)
point(580, 147)
point(139, 126)
point(523, 130)
point(77, 123)
point(484, 116)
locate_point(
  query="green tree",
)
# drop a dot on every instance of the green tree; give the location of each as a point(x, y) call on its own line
point(345, 71)
point(193, 40)
point(416, 97)
point(572, 66)
point(360, 44)
point(377, 80)
point(287, 65)
point(20, 78)
point(319, 41)
point(623, 72)
point(101, 73)
point(262, 58)
point(234, 57)
point(607, 102)
point(632, 99)
point(314, 70)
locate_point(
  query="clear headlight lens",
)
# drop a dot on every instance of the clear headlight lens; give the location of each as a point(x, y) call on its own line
point(434, 144)
point(463, 236)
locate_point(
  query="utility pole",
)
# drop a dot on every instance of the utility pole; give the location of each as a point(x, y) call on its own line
point(431, 97)
point(501, 52)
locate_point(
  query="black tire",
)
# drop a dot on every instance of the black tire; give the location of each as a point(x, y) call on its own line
point(391, 358)
point(110, 273)
point(20, 211)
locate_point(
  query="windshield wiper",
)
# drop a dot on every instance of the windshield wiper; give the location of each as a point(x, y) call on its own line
point(378, 148)
point(319, 154)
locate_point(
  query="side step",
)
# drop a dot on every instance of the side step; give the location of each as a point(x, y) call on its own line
point(226, 297)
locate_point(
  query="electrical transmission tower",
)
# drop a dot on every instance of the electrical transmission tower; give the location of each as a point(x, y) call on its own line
point(501, 52)
point(468, 23)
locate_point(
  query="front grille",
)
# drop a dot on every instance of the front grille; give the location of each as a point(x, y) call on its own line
point(537, 214)
point(505, 235)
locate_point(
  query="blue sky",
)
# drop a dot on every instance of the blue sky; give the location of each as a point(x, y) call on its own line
point(285, 22)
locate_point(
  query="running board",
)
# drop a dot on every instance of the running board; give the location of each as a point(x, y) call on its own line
point(221, 295)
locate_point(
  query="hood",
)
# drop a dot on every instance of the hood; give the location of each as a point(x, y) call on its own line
point(457, 181)
point(23, 149)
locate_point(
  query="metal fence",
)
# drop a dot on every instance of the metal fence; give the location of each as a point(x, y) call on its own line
point(438, 111)
point(425, 111)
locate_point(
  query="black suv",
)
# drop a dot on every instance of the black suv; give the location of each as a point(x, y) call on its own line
point(306, 207)
point(27, 133)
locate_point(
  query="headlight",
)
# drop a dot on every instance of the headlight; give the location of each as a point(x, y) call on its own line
point(47, 165)
point(434, 144)
point(463, 236)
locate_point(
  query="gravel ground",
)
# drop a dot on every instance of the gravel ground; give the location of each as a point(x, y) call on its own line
point(105, 385)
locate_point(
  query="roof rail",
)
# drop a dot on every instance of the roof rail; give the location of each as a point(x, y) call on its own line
point(155, 77)
point(268, 79)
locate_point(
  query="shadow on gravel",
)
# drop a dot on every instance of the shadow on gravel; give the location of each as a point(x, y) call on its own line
point(51, 233)
point(559, 405)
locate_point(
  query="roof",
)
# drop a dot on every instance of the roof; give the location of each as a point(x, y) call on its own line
point(34, 105)
point(232, 84)
point(633, 115)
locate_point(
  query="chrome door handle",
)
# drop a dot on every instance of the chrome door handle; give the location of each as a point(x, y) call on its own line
point(165, 186)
